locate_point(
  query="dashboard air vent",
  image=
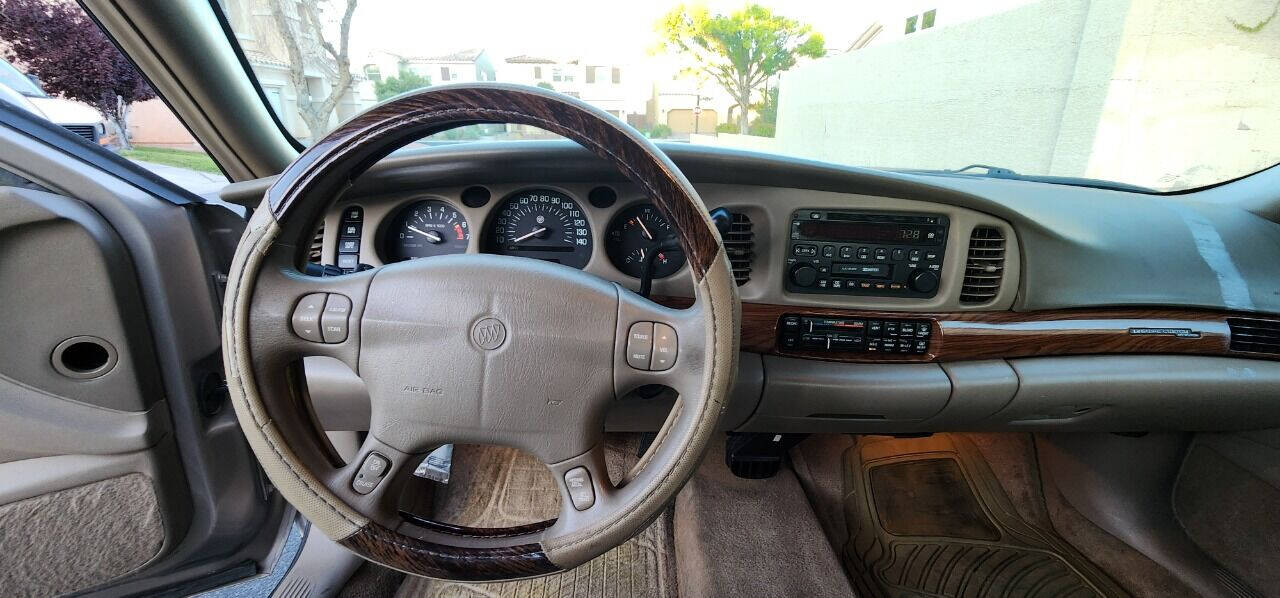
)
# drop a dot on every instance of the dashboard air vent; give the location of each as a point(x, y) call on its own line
point(1254, 336)
point(984, 267)
point(317, 245)
point(740, 243)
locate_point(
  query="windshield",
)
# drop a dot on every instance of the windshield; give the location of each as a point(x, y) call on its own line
point(1162, 94)
point(15, 80)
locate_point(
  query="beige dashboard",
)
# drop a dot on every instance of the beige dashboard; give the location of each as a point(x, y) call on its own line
point(768, 211)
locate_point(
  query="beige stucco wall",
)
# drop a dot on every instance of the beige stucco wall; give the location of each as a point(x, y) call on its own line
point(1162, 93)
point(152, 123)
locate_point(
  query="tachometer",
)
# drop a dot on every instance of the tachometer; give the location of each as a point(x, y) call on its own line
point(636, 236)
point(541, 224)
point(426, 228)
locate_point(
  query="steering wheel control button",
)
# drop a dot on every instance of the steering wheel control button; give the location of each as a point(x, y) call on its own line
point(333, 322)
point(371, 473)
point(665, 347)
point(578, 482)
point(640, 345)
point(306, 317)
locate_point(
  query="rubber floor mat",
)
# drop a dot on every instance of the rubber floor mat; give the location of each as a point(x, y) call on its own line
point(927, 517)
point(494, 486)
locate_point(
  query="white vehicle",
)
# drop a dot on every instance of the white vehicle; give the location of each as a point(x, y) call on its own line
point(77, 117)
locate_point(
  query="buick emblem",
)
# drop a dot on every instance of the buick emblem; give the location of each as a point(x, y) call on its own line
point(489, 333)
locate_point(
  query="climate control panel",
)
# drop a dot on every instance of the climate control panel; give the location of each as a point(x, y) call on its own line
point(854, 335)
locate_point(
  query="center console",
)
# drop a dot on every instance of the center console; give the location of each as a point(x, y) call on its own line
point(839, 252)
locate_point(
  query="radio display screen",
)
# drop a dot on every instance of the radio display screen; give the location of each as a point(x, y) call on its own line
point(870, 232)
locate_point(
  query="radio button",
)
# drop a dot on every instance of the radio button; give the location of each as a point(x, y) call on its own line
point(804, 275)
point(875, 327)
point(846, 252)
point(930, 256)
point(805, 250)
point(882, 253)
point(828, 251)
point(914, 255)
point(923, 281)
point(899, 254)
point(863, 253)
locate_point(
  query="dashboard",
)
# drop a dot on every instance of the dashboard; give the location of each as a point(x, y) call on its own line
point(872, 300)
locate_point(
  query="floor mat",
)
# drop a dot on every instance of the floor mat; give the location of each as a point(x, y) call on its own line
point(927, 517)
point(494, 486)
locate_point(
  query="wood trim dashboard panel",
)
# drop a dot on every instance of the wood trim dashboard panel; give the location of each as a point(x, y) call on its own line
point(965, 336)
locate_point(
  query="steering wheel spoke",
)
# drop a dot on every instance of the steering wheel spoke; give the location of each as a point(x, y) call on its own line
point(659, 345)
point(293, 315)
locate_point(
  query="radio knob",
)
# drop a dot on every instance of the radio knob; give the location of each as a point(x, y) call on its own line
point(923, 281)
point(804, 275)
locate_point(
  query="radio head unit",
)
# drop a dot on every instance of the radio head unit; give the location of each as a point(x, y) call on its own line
point(865, 253)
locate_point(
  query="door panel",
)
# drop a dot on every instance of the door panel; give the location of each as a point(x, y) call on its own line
point(122, 469)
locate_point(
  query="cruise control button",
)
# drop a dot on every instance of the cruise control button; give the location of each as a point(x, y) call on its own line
point(333, 322)
point(665, 347)
point(348, 261)
point(578, 482)
point(371, 472)
point(640, 345)
point(306, 317)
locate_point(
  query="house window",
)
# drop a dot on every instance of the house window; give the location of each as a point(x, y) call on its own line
point(557, 75)
point(926, 21)
point(911, 23)
point(444, 73)
point(373, 73)
point(591, 74)
point(537, 72)
point(616, 75)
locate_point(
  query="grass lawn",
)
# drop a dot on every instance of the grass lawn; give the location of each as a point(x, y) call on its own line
point(173, 157)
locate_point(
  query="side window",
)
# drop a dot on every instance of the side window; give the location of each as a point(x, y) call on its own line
point(96, 93)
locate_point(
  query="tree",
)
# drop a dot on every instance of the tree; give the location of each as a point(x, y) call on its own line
point(55, 41)
point(314, 108)
point(766, 120)
point(405, 80)
point(545, 85)
point(740, 51)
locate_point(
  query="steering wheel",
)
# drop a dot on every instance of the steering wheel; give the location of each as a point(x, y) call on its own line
point(473, 348)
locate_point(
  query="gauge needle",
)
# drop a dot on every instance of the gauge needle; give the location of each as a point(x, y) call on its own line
point(536, 231)
point(432, 236)
point(644, 229)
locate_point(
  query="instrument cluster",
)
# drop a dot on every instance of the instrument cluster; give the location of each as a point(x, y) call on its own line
point(538, 223)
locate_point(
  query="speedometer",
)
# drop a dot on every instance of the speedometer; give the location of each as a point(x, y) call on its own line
point(542, 224)
point(426, 228)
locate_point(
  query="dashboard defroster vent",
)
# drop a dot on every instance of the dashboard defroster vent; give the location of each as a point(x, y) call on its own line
point(315, 254)
point(739, 244)
point(984, 268)
point(1255, 336)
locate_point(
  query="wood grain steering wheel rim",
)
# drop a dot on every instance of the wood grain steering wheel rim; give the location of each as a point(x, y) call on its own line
point(413, 319)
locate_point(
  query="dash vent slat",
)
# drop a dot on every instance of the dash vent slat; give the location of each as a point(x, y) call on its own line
point(1252, 335)
point(316, 253)
point(739, 244)
point(984, 266)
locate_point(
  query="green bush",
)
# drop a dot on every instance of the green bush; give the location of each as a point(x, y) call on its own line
point(727, 128)
point(659, 131)
point(762, 129)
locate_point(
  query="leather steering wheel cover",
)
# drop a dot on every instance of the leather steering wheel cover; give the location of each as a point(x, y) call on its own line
point(325, 169)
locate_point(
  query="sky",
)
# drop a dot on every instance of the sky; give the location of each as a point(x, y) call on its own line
point(604, 31)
